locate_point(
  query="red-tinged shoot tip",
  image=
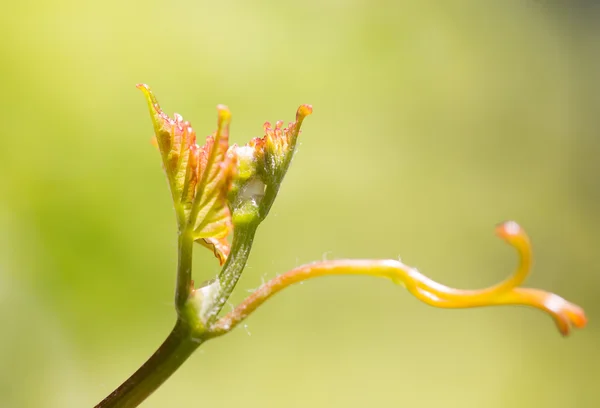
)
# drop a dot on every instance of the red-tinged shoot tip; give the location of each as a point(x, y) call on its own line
point(303, 111)
point(148, 92)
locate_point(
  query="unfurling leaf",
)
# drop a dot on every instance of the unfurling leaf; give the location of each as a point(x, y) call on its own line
point(199, 177)
point(263, 163)
point(277, 146)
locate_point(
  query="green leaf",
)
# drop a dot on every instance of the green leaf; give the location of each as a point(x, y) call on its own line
point(199, 177)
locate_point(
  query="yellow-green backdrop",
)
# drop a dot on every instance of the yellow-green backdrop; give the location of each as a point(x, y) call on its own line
point(432, 121)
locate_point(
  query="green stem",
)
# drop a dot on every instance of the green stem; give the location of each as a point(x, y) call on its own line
point(178, 346)
point(232, 270)
point(267, 201)
point(184, 269)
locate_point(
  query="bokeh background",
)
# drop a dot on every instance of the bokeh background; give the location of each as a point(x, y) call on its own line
point(432, 122)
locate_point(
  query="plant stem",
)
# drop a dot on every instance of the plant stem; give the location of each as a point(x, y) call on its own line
point(184, 269)
point(232, 270)
point(178, 346)
point(186, 336)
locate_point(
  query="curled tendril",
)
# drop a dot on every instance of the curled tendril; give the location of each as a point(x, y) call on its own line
point(565, 314)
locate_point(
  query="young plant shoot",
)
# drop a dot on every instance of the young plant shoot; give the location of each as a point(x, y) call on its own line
point(220, 191)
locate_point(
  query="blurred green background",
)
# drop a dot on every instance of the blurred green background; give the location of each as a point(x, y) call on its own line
point(432, 122)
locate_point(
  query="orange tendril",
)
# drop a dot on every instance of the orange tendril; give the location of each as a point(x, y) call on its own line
point(565, 314)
